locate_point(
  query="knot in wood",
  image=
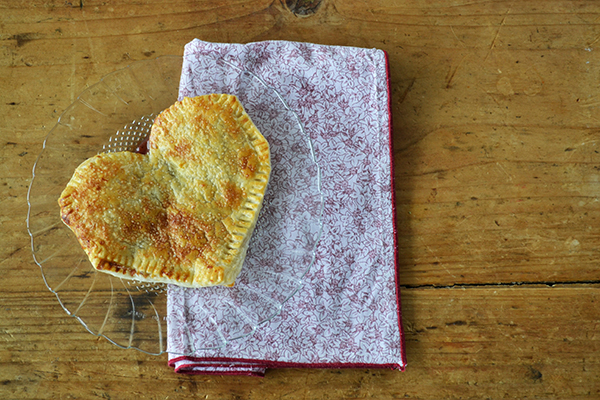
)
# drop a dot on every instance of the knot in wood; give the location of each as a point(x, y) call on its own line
point(302, 8)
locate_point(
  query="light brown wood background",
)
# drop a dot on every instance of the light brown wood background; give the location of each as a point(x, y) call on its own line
point(496, 108)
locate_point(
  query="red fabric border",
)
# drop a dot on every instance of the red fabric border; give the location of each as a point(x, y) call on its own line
point(189, 370)
point(398, 302)
point(250, 363)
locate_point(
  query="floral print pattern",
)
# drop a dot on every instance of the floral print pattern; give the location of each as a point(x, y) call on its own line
point(347, 311)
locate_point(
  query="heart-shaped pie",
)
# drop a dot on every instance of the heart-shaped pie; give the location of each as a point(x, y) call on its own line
point(184, 212)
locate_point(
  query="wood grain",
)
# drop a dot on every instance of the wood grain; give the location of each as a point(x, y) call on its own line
point(496, 122)
point(528, 341)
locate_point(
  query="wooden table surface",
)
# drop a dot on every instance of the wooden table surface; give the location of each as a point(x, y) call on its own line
point(496, 111)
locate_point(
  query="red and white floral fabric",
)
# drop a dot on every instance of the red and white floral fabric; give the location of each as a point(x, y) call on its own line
point(347, 313)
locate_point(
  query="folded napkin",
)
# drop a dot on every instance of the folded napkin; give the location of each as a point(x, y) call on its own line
point(347, 311)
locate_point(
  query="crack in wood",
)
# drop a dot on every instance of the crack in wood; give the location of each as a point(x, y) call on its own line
point(502, 284)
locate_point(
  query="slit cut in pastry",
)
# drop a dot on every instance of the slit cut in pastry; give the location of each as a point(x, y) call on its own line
point(184, 212)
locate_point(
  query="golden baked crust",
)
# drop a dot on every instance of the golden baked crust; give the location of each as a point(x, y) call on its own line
point(184, 212)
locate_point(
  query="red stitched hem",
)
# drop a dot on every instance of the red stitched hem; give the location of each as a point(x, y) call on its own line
point(398, 302)
point(243, 363)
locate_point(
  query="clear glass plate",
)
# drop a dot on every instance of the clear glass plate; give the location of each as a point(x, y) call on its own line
point(115, 114)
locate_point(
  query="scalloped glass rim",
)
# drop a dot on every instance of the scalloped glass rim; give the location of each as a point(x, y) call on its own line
point(128, 313)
